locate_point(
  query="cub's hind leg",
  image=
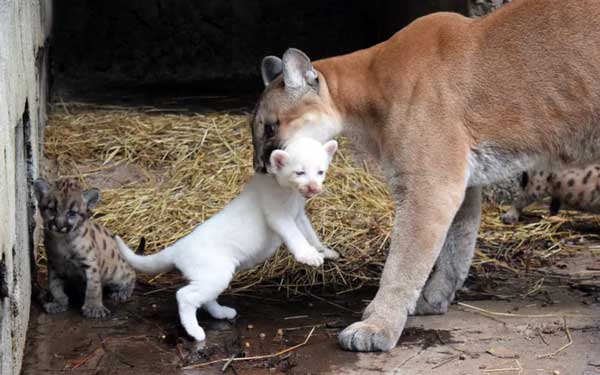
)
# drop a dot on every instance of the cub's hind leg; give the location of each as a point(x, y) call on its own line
point(206, 283)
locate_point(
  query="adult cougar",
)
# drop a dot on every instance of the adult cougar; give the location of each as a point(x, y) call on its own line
point(446, 105)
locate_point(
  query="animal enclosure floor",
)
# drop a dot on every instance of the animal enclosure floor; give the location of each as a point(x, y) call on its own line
point(536, 283)
point(144, 336)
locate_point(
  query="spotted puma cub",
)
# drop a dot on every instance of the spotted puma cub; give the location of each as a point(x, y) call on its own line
point(576, 188)
point(80, 252)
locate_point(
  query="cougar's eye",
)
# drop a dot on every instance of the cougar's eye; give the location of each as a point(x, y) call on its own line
point(71, 214)
point(300, 173)
point(270, 129)
point(321, 173)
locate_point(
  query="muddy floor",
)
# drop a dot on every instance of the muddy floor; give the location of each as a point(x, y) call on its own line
point(514, 335)
point(501, 324)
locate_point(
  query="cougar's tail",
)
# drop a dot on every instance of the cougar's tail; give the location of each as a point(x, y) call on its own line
point(152, 264)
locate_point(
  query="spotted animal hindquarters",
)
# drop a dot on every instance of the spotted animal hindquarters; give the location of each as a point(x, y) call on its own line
point(79, 252)
point(573, 188)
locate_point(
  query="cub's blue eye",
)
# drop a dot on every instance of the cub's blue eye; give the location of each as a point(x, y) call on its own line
point(300, 173)
point(321, 173)
point(72, 214)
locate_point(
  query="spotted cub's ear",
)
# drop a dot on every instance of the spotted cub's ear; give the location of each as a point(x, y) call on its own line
point(40, 189)
point(91, 198)
point(331, 147)
point(279, 159)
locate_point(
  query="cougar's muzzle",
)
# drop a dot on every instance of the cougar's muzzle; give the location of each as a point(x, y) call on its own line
point(264, 140)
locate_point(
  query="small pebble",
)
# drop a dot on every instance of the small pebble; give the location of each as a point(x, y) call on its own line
point(154, 305)
point(555, 372)
point(462, 357)
point(250, 326)
point(280, 332)
point(163, 337)
point(262, 336)
point(482, 366)
point(247, 344)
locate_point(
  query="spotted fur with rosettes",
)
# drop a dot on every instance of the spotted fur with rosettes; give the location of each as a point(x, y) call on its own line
point(574, 188)
point(80, 253)
point(446, 105)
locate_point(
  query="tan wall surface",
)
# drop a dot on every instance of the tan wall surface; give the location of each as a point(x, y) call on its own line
point(24, 28)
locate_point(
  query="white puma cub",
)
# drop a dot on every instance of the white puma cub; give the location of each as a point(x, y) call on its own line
point(269, 211)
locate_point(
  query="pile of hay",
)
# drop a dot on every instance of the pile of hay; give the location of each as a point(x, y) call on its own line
point(193, 164)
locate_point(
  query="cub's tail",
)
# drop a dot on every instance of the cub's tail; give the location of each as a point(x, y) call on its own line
point(152, 264)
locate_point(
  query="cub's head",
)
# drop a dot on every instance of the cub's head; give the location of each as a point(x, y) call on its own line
point(303, 165)
point(64, 205)
point(295, 103)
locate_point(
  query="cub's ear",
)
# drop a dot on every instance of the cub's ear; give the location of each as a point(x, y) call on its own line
point(297, 69)
point(40, 189)
point(331, 147)
point(278, 159)
point(91, 197)
point(270, 68)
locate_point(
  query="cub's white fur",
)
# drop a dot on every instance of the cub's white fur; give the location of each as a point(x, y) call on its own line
point(269, 211)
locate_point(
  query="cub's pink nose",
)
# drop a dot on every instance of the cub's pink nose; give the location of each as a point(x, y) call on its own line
point(313, 188)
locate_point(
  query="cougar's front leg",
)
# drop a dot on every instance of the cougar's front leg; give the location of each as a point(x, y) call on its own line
point(452, 266)
point(426, 203)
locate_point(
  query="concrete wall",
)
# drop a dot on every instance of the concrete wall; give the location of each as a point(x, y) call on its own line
point(24, 28)
point(211, 44)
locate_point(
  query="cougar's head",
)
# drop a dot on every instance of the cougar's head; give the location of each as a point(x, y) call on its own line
point(295, 103)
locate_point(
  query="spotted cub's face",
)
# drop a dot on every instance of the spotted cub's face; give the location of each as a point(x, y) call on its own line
point(64, 205)
point(303, 165)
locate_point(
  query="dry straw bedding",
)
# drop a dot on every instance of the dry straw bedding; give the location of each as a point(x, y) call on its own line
point(193, 164)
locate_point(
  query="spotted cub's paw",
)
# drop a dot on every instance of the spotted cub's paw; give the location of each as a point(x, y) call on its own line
point(328, 253)
point(55, 307)
point(310, 256)
point(95, 311)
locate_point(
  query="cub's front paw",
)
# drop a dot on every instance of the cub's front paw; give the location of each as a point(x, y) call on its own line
point(95, 311)
point(55, 307)
point(328, 253)
point(310, 256)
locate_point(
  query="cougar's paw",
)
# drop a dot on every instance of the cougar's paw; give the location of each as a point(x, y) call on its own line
point(310, 256)
point(55, 307)
point(95, 311)
point(435, 304)
point(367, 336)
point(328, 253)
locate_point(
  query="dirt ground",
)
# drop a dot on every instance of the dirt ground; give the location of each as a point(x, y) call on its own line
point(501, 324)
point(144, 336)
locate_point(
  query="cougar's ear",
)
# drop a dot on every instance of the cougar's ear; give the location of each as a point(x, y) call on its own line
point(297, 69)
point(271, 67)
